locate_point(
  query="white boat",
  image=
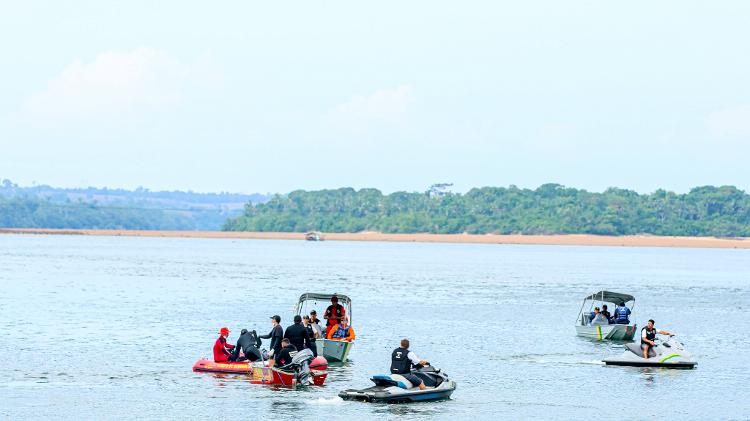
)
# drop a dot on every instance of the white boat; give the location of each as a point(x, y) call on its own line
point(602, 330)
point(332, 350)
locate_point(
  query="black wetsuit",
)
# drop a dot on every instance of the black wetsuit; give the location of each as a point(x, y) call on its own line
point(285, 355)
point(249, 343)
point(298, 336)
point(276, 335)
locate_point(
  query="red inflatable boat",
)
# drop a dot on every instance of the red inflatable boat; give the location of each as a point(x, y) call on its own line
point(262, 374)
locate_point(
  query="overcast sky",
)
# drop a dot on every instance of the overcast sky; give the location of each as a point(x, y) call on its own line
point(233, 96)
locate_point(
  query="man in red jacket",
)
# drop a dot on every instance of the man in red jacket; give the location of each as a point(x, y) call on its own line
point(221, 347)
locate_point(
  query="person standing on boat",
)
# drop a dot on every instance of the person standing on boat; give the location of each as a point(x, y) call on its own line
point(315, 323)
point(298, 335)
point(333, 313)
point(277, 333)
point(622, 314)
point(648, 336)
point(342, 331)
point(401, 362)
point(221, 347)
point(312, 334)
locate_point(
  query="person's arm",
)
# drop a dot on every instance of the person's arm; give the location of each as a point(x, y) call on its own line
point(286, 333)
point(415, 360)
point(644, 339)
point(330, 332)
point(308, 342)
point(664, 332)
point(270, 334)
point(352, 336)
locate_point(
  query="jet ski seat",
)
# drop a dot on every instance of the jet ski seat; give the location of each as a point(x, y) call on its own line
point(635, 348)
point(392, 380)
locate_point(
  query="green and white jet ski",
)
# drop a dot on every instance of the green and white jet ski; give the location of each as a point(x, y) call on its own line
point(669, 353)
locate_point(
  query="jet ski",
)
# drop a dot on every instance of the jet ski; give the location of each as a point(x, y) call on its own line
point(394, 388)
point(666, 353)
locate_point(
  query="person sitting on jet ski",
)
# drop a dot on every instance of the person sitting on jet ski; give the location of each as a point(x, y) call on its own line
point(277, 332)
point(221, 347)
point(648, 335)
point(622, 313)
point(283, 357)
point(402, 360)
point(342, 331)
point(249, 343)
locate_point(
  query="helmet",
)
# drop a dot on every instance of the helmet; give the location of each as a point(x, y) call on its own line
point(224, 331)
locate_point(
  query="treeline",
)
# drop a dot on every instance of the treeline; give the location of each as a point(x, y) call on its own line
point(29, 212)
point(550, 209)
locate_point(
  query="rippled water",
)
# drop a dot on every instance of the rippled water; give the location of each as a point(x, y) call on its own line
point(105, 327)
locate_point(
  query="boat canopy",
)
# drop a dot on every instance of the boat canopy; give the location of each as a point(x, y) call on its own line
point(611, 297)
point(314, 296)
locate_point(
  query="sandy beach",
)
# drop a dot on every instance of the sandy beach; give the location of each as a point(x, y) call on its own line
point(571, 240)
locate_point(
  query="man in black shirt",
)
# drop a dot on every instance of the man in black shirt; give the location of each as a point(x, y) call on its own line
point(248, 342)
point(298, 334)
point(277, 333)
point(284, 357)
point(401, 362)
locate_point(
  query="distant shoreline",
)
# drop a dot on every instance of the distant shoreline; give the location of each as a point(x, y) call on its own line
point(567, 239)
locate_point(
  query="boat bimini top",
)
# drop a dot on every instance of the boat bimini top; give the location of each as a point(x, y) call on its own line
point(314, 298)
point(615, 298)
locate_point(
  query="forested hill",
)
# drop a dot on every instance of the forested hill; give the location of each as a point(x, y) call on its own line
point(550, 209)
point(52, 207)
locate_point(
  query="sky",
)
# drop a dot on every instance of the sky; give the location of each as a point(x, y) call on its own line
point(278, 96)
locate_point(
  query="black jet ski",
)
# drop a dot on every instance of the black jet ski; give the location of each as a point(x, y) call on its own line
point(394, 388)
point(667, 353)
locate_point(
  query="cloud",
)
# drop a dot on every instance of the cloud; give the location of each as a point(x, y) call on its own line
point(115, 82)
point(382, 107)
point(733, 121)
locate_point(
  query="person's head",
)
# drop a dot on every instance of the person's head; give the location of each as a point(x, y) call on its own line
point(285, 342)
point(405, 343)
point(650, 323)
point(297, 319)
point(243, 331)
point(596, 310)
point(224, 331)
point(604, 307)
point(306, 320)
point(621, 304)
point(275, 320)
point(344, 320)
point(334, 300)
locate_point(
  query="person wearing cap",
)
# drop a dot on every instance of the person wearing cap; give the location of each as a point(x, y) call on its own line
point(312, 334)
point(248, 343)
point(276, 334)
point(315, 323)
point(221, 347)
point(333, 313)
point(298, 335)
point(342, 331)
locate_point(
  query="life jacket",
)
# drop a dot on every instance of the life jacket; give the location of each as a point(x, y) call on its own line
point(342, 333)
point(621, 315)
point(337, 311)
point(650, 334)
point(400, 363)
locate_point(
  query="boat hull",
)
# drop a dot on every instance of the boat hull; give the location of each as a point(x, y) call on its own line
point(679, 365)
point(335, 351)
point(608, 332)
point(260, 373)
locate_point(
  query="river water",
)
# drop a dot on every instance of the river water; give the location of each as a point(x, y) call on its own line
point(109, 327)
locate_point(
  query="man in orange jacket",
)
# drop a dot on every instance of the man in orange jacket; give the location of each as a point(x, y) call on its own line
point(342, 331)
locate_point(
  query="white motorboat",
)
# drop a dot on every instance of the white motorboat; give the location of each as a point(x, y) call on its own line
point(601, 328)
point(332, 350)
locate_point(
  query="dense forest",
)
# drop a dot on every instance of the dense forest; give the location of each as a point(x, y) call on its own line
point(44, 206)
point(550, 209)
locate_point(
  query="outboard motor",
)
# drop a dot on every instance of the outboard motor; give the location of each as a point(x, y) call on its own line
point(301, 365)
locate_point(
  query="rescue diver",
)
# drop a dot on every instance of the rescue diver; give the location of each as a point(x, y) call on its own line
point(622, 314)
point(284, 357)
point(333, 313)
point(342, 331)
point(648, 336)
point(401, 362)
point(221, 347)
point(277, 333)
point(249, 343)
point(298, 335)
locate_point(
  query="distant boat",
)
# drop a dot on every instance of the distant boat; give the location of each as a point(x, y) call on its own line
point(589, 328)
point(313, 236)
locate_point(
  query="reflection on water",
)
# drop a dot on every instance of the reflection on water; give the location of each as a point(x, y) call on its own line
point(99, 327)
